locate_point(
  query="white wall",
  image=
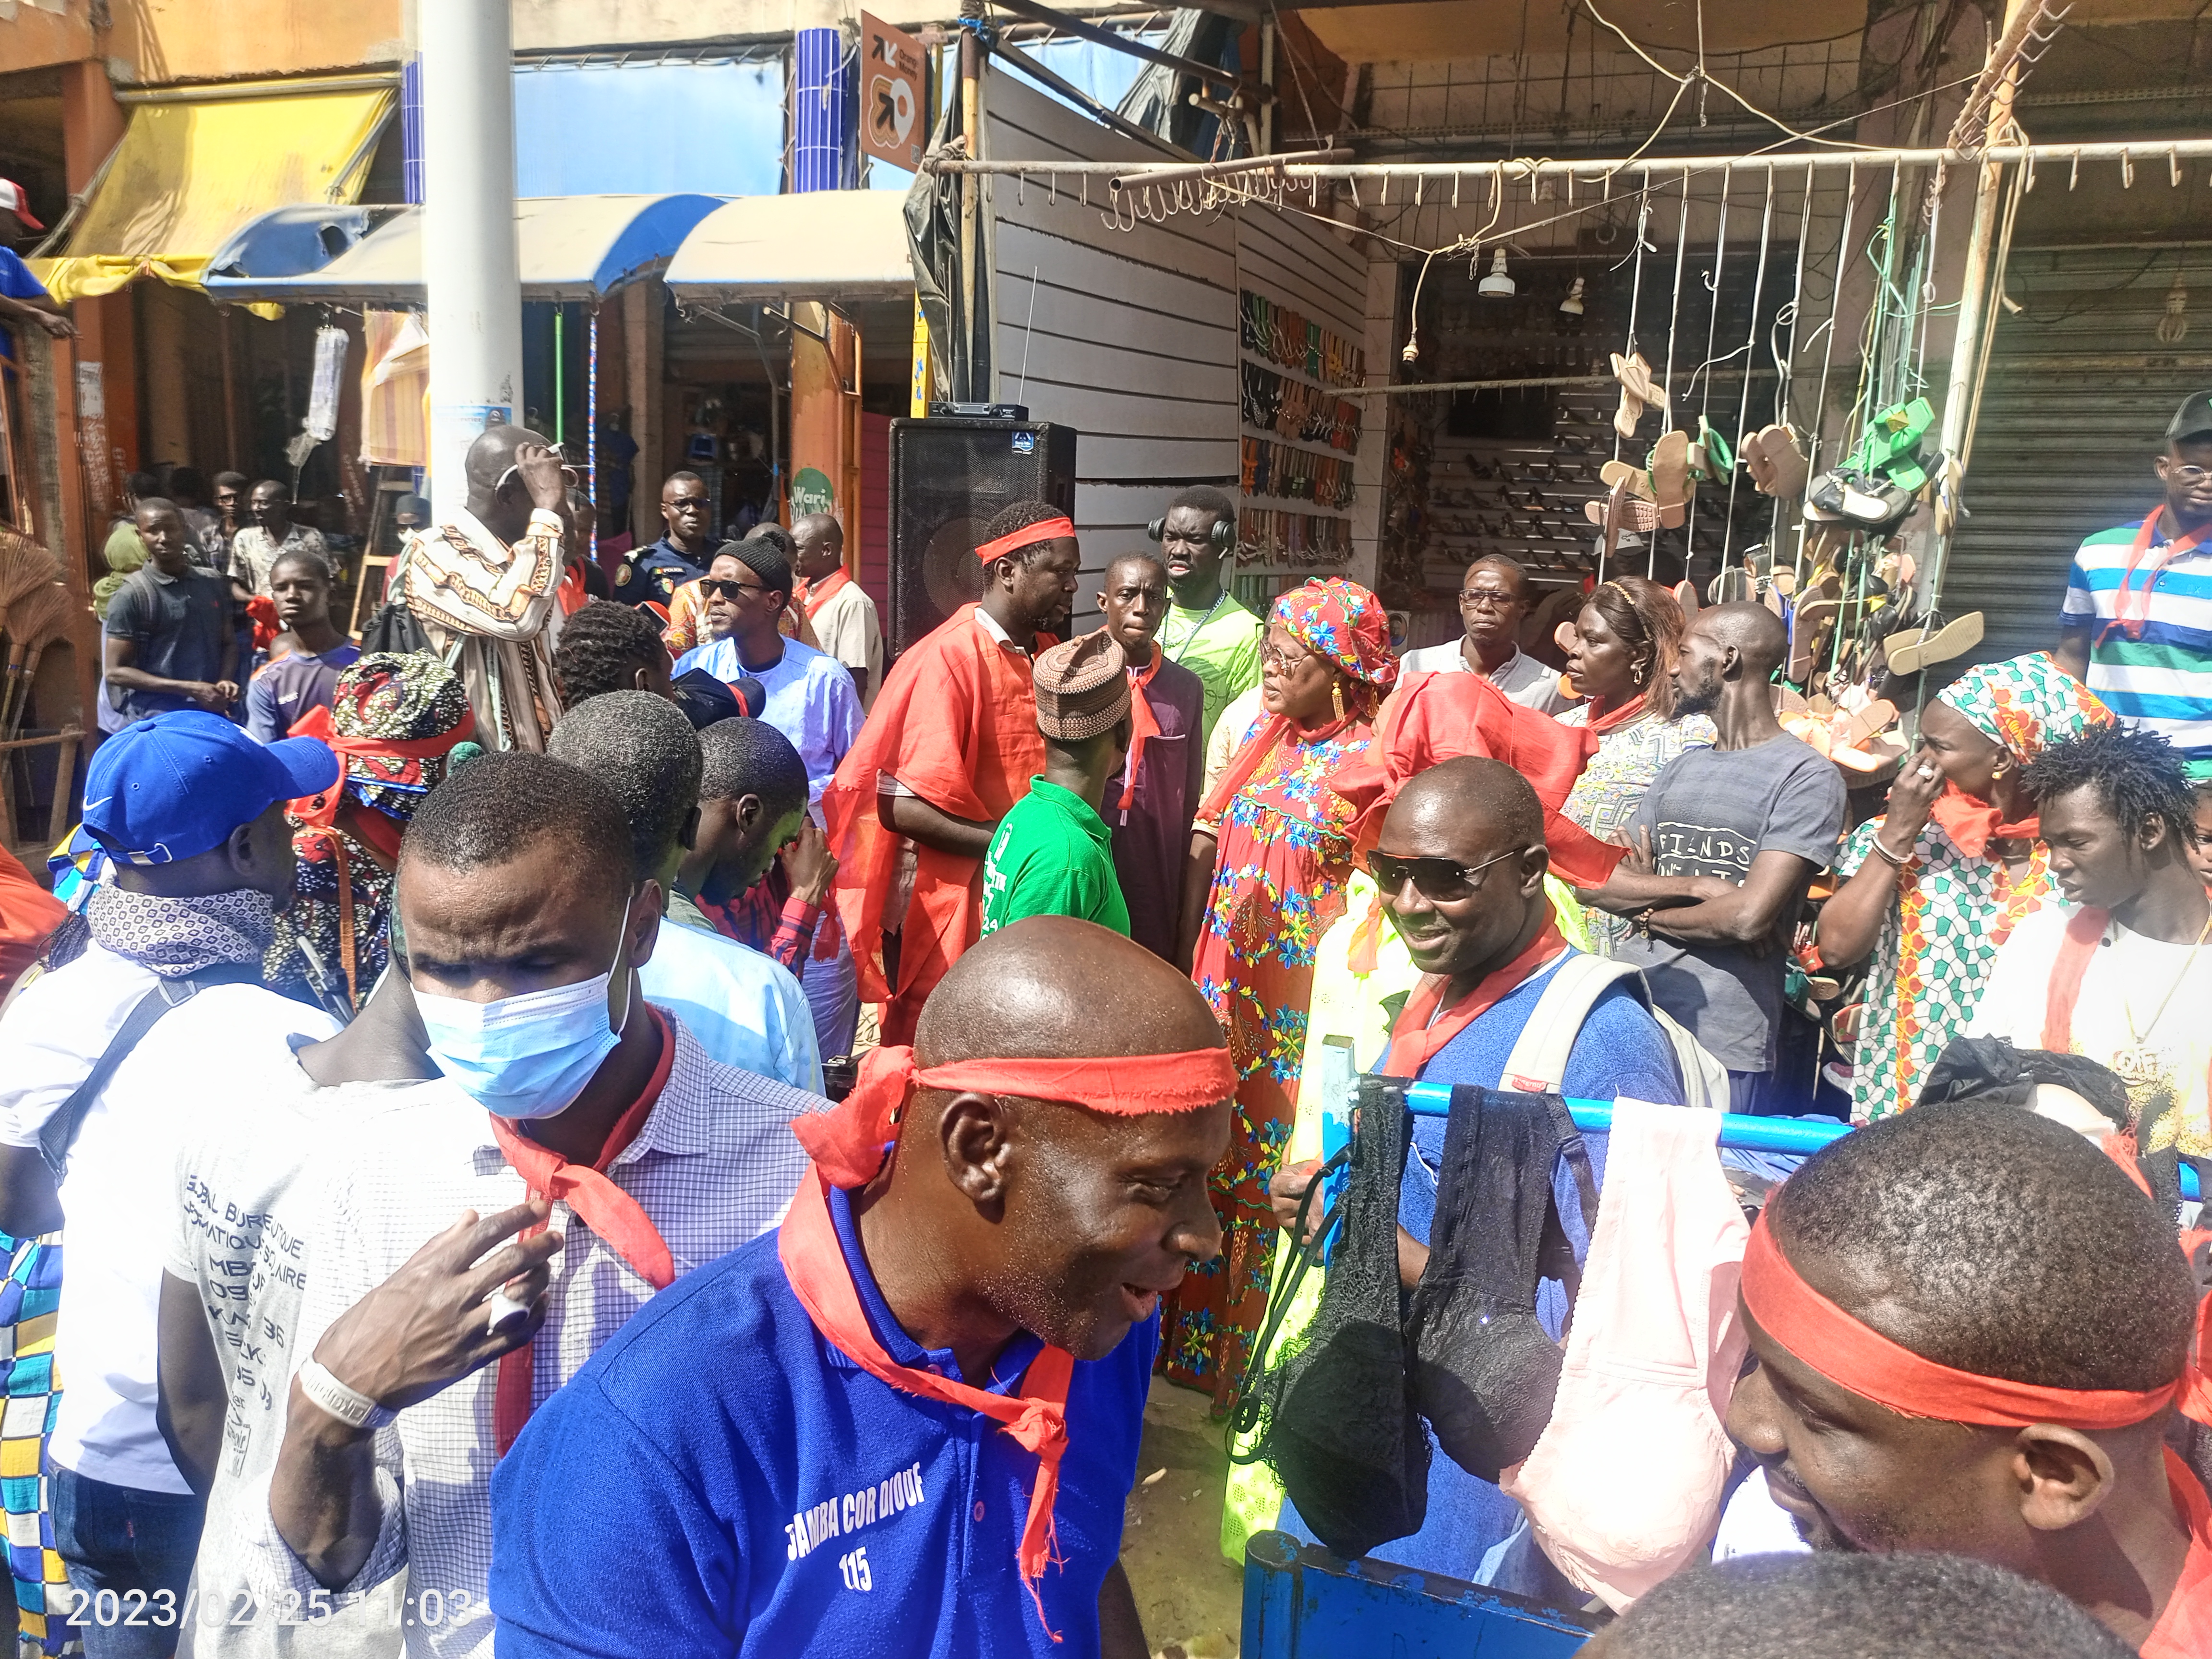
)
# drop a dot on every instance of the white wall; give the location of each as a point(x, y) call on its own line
point(1134, 337)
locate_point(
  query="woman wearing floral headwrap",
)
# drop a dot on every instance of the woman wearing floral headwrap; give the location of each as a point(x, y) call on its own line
point(1936, 883)
point(1284, 853)
point(395, 720)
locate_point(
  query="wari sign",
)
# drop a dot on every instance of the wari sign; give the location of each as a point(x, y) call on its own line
point(894, 79)
point(811, 492)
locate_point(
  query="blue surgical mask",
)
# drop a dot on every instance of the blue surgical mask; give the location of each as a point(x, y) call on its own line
point(526, 1056)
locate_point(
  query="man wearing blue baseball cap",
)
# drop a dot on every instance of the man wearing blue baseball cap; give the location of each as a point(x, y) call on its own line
point(104, 1057)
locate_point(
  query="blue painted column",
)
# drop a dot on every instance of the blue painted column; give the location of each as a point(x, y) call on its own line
point(410, 130)
point(822, 109)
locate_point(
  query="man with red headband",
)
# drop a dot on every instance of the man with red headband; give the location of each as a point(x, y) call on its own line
point(908, 1427)
point(1973, 1333)
point(949, 748)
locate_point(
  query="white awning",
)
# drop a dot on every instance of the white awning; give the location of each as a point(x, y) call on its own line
point(570, 247)
point(824, 244)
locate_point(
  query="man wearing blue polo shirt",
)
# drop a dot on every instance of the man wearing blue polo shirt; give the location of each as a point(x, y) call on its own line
point(2136, 625)
point(908, 1423)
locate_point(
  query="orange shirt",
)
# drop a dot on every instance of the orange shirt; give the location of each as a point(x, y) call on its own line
point(956, 723)
point(27, 914)
point(2183, 1630)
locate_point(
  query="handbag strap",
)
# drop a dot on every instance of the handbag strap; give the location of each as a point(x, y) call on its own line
point(59, 1132)
point(1305, 1252)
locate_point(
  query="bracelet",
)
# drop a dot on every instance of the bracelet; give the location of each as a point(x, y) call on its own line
point(349, 1406)
point(1894, 860)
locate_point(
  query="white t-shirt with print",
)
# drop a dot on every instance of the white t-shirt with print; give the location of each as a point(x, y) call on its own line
point(246, 1195)
point(117, 1194)
point(2128, 980)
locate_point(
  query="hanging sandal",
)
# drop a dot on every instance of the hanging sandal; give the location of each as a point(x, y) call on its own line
point(1914, 649)
point(1637, 480)
point(1636, 392)
point(1670, 478)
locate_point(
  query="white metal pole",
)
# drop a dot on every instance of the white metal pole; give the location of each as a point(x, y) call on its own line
point(469, 260)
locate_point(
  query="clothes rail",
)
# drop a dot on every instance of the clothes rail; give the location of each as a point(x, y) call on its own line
point(1798, 1136)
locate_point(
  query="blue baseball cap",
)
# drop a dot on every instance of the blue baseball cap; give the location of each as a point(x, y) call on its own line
point(173, 787)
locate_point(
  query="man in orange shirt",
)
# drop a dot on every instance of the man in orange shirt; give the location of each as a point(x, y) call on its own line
point(27, 914)
point(951, 746)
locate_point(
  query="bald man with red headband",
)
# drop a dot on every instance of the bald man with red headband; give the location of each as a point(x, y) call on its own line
point(906, 1424)
point(1976, 1334)
point(949, 748)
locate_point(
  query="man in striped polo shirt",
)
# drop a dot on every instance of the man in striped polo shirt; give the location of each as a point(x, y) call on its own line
point(2136, 625)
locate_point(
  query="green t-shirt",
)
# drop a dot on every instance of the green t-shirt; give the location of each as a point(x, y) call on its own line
point(1220, 646)
point(1050, 857)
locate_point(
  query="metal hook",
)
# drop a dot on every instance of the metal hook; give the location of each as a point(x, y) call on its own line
point(2073, 178)
point(1382, 197)
point(1420, 180)
point(2030, 184)
point(2127, 169)
point(2173, 167)
point(1454, 187)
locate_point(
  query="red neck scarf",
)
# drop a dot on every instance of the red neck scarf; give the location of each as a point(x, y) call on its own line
point(603, 1208)
point(1973, 823)
point(1143, 724)
point(815, 595)
point(848, 1145)
point(2131, 605)
point(1853, 1356)
point(1262, 744)
point(1422, 1031)
point(1603, 719)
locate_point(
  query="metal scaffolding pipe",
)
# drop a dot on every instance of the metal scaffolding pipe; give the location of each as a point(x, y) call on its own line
point(2144, 151)
point(470, 264)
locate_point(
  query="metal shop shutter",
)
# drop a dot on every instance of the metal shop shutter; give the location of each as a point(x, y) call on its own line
point(2079, 392)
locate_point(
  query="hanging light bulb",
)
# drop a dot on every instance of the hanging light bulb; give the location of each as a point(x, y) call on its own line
point(2174, 327)
point(1572, 305)
point(1497, 285)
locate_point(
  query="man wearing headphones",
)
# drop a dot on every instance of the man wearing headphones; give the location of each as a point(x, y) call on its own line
point(1206, 630)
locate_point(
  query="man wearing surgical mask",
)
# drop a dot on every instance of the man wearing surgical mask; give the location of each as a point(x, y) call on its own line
point(578, 1116)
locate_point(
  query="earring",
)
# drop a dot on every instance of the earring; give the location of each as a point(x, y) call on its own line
point(1336, 697)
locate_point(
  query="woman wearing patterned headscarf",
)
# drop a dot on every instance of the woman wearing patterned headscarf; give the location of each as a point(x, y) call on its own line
point(395, 720)
point(1936, 883)
point(1284, 853)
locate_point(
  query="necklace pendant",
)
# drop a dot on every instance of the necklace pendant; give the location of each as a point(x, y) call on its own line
point(2137, 1064)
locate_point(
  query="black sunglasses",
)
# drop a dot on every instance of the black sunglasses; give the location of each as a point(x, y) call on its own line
point(712, 585)
point(1441, 881)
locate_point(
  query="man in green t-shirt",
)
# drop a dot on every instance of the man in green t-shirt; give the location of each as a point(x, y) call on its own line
point(1206, 630)
point(1052, 854)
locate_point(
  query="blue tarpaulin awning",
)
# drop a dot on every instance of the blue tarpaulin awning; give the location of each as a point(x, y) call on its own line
point(571, 248)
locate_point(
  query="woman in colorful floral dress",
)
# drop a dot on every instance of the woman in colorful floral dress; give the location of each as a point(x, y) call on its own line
point(1284, 856)
point(1622, 661)
point(1930, 889)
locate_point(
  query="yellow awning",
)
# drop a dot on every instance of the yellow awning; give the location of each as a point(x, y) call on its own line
point(188, 174)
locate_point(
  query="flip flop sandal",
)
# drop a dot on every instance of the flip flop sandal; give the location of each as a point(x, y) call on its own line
point(1685, 595)
point(1917, 648)
point(1637, 480)
point(1731, 586)
point(1564, 636)
point(1756, 464)
point(1772, 599)
point(1785, 463)
point(1670, 478)
point(1717, 461)
point(1844, 1024)
point(1636, 392)
point(1784, 582)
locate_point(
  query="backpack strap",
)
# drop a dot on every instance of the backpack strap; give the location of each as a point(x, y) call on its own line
point(1537, 1063)
point(59, 1132)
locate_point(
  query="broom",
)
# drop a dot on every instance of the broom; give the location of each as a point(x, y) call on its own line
point(25, 567)
point(34, 621)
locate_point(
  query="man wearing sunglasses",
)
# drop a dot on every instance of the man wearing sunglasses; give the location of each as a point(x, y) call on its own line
point(2135, 627)
point(686, 545)
point(1503, 1002)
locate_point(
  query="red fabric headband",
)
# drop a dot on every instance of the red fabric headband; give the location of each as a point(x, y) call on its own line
point(848, 1143)
point(1849, 1354)
point(1028, 535)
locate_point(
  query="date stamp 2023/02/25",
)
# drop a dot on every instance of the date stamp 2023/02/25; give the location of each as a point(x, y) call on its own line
point(162, 1609)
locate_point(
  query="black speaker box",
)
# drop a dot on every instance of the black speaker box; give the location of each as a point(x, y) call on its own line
point(949, 477)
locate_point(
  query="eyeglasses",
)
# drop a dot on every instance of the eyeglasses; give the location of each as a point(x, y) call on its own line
point(2191, 476)
point(1441, 881)
point(515, 471)
point(1484, 598)
point(712, 585)
point(1282, 662)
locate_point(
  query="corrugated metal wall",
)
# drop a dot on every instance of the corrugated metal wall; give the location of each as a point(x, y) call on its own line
point(2079, 392)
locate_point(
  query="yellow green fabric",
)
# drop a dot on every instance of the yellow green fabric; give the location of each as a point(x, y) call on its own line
point(1347, 1005)
point(189, 174)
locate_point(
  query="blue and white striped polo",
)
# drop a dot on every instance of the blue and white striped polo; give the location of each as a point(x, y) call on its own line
point(2162, 681)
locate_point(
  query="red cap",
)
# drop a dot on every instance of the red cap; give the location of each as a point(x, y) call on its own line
point(12, 198)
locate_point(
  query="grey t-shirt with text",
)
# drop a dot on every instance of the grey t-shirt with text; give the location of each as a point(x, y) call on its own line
point(1710, 813)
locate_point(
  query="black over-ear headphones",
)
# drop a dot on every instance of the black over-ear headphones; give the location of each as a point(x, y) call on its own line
point(1222, 532)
